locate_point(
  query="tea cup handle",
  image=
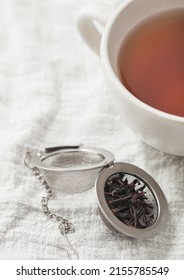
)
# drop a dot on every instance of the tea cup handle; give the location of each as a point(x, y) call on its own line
point(100, 13)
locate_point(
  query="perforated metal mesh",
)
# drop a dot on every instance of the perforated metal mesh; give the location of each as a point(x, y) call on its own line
point(73, 159)
point(107, 223)
point(72, 181)
point(78, 173)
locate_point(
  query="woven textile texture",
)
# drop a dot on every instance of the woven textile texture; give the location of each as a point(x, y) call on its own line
point(52, 92)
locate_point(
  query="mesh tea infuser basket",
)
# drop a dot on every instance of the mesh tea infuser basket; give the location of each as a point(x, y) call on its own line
point(71, 169)
point(129, 199)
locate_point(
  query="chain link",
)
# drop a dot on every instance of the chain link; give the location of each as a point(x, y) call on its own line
point(65, 226)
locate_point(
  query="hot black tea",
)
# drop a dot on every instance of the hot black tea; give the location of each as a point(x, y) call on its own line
point(151, 62)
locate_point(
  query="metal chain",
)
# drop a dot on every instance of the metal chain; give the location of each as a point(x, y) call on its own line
point(65, 226)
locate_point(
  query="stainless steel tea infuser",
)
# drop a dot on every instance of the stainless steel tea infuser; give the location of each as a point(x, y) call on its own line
point(152, 192)
point(74, 169)
point(71, 169)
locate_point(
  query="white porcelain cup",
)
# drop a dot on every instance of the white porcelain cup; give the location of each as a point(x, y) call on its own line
point(159, 129)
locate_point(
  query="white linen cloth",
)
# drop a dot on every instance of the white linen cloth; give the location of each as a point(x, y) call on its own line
point(52, 92)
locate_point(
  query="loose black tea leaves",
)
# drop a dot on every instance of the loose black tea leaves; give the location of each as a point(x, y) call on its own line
point(129, 202)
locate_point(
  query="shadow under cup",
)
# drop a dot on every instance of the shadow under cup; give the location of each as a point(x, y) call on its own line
point(159, 129)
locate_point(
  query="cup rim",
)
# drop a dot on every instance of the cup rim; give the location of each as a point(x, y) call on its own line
point(105, 60)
